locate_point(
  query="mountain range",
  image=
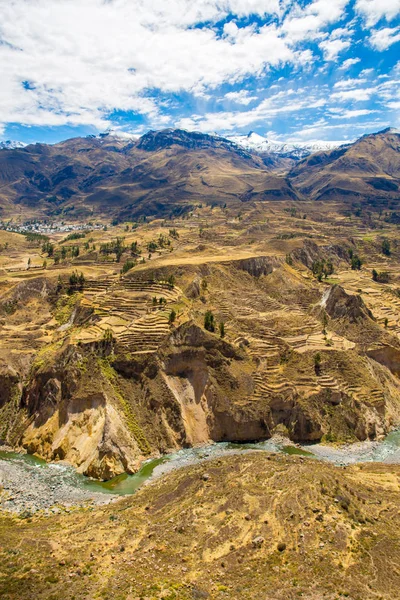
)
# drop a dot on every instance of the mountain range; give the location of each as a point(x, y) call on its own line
point(165, 173)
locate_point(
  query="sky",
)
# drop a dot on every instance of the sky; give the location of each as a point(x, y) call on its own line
point(289, 70)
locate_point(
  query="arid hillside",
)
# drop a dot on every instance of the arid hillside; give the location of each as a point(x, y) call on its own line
point(243, 527)
point(366, 171)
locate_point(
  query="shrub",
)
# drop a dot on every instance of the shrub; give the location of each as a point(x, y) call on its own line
point(172, 317)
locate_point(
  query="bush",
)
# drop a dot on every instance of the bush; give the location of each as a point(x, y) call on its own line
point(382, 277)
point(172, 317)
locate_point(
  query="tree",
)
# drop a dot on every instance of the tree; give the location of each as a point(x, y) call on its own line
point(374, 275)
point(171, 281)
point(386, 322)
point(317, 363)
point(209, 322)
point(29, 263)
point(108, 335)
point(222, 329)
point(172, 317)
point(128, 265)
point(49, 248)
point(386, 247)
point(76, 282)
point(356, 263)
point(45, 264)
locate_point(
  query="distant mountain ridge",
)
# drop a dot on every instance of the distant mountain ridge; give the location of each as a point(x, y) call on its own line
point(168, 172)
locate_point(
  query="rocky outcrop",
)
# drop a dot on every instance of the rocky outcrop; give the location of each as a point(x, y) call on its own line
point(340, 305)
point(259, 265)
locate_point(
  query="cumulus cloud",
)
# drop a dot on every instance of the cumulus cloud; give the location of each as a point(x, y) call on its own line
point(94, 57)
point(346, 64)
point(87, 62)
point(374, 10)
point(332, 48)
point(381, 39)
point(308, 22)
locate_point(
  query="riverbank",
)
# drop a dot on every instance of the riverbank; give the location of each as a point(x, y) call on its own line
point(26, 488)
point(29, 485)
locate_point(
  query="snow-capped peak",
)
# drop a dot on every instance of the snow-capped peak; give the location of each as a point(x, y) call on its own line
point(11, 145)
point(296, 150)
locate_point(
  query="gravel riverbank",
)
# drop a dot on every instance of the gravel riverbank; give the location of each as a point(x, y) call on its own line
point(27, 489)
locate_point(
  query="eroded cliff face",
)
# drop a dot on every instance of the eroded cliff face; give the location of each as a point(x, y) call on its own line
point(73, 413)
point(104, 411)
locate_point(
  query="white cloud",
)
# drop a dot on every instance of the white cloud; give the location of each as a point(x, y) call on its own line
point(94, 57)
point(242, 97)
point(349, 83)
point(332, 48)
point(281, 103)
point(353, 114)
point(374, 10)
point(349, 63)
point(307, 22)
point(357, 95)
point(381, 39)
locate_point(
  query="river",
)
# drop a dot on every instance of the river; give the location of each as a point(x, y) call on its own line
point(31, 484)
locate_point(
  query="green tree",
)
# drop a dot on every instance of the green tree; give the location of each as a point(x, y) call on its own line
point(128, 265)
point(356, 263)
point(317, 363)
point(209, 322)
point(386, 247)
point(172, 317)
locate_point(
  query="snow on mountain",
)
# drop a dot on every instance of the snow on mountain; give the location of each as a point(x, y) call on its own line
point(11, 145)
point(294, 150)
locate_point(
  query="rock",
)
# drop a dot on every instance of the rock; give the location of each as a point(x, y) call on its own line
point(205, 477)
point(258, 541)
point(281, 546)
point(247, 517)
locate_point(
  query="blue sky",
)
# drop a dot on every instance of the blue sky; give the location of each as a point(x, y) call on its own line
point(296, 71)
